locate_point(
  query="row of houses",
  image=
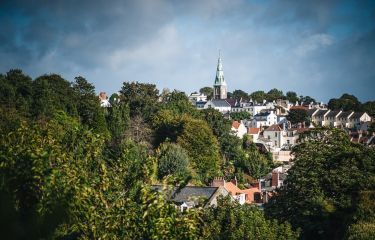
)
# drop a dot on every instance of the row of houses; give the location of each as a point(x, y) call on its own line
point(339, 118)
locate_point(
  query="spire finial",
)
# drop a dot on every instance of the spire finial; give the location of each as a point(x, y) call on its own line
point(219, 53)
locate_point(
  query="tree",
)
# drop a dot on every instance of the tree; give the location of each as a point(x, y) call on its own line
point(142, 98)
point(369, 107)
point(346, 102)
point(179, 103)
point(52, 93)
point(239, 94)
point(216, 121)
point(208, 91)
point(292, 97)
point(297, 116)
point(258, 96)
point(172, 160)
point(240, 115)
point(88, 105)
point(274, 94)
point(320, 192)
point(306, 99)
point(202, 146)
point(229, 220)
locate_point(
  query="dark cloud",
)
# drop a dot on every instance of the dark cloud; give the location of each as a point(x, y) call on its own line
point(320, 48)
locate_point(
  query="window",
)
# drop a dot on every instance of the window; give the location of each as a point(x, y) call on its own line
point(268, 137)
point(288, 142)
point(275, 143)
point(275, 134)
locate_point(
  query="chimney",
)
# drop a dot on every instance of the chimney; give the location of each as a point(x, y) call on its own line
point(275, 178)
point(217, 182)
point(234, 181)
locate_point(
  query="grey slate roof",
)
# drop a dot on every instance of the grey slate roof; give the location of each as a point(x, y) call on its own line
point(333, 113)
point(189, 193)
point(310, 112)
point(357, 115)
point(220, 103)
point(321, 113)
point(344, 114)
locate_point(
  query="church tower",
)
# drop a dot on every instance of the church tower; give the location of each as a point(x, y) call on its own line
point(220, 86)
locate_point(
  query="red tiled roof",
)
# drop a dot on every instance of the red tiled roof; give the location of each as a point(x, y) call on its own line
point(299, 107)
point(274, 127)
point(253, 130)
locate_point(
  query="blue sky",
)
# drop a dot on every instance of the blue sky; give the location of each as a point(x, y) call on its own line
point(320, 48)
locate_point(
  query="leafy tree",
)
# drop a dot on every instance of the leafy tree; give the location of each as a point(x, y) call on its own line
point(292, 97)
point(208, 91)
point(239, 94)
point(369, 107)
point(202, 146)
point(88, 106)
point(297, 116)
point(172, 160)
point(118, 120)
point(319, 194)
point(240, 115)
point(216, 121)
point(229, 220)
point(346, 102)
point(274, 94)
point(179, 103)
point(307, 99)
point(258, 96)
point(52, 93)
point(142, 98)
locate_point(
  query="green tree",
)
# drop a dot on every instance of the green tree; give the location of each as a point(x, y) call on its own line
point(208, 91)
point(179, 103)
point(240, 115)
point(229, 220)
point(142, 98)
point(202, 146)
point(346, 102)
point(319, 194)
point(292, 96)
point(52, 93)
point(369, 107)
point(274, 94)
point(88, 105)
point(216, 121)
point(258, 96)
point(307, 99)
point(172, 160)
point(239, 94)
point(297, 116)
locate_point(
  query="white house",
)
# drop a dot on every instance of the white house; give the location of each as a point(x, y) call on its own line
point(357, 118)
point(219, 104)
point(264, 119)
point(274, 133)
point(239, 128)
point(104, 100)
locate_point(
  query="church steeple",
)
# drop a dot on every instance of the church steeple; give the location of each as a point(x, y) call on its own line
point(220, 86)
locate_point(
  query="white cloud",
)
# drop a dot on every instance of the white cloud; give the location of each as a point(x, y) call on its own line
point(313, 43)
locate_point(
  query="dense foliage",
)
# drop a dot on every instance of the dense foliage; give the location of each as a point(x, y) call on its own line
point(324, 187)
point(70, 169)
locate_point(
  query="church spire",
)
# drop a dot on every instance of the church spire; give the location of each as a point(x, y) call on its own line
point(219, 80)
point(220, 86)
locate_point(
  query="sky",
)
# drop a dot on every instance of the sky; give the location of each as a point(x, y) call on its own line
point(320, 48)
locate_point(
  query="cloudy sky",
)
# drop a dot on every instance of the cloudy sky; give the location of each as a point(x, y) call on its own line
point(320, 48)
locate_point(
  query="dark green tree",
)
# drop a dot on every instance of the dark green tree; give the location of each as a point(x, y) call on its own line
point(258, 96)
point(142, 99)
point(346, 102)
point(297, 116)
point(369, 107)
point(321, 190)
point(274, 94)
point(240, 115)
point(216, 121)
point(307, 99)
point(172, 160)
point(239, 94)
point(292, 96)
point(229, 220)
point(208, 91)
